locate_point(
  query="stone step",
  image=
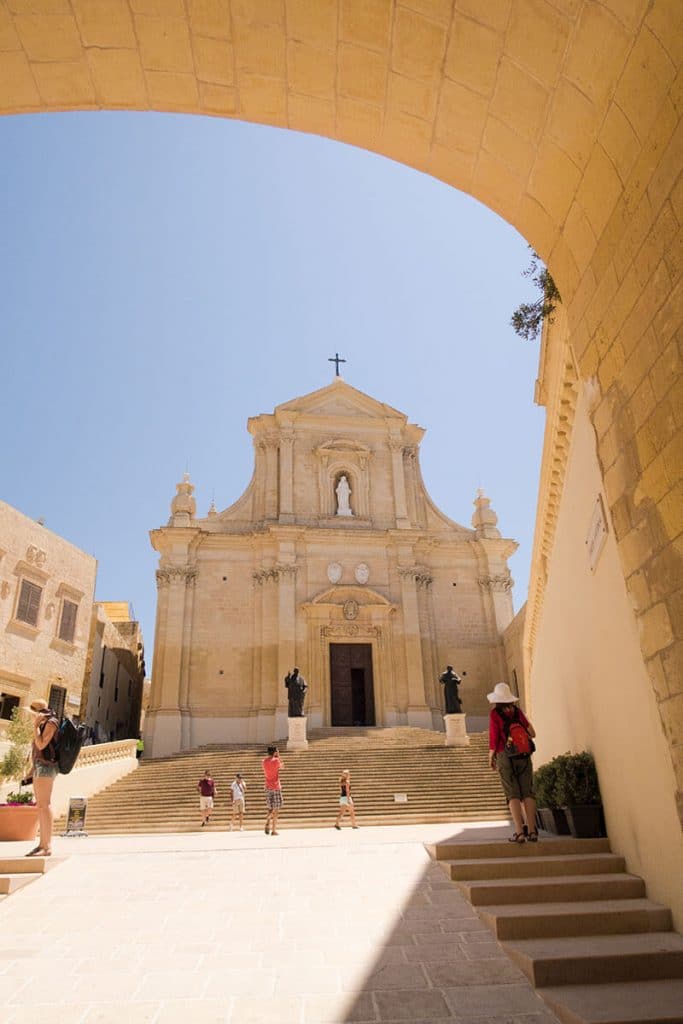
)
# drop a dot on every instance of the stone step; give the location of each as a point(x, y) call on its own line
point(466, 850)
point(492, 892)
point(557, 920)
point(642, 1002)
point(23, 865)
point(536, 867)
point(9, 883)
point(599, 959)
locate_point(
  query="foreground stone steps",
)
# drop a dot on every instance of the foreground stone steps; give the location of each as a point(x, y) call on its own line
point(578, 926)
point(15, 872)
point(441, 783)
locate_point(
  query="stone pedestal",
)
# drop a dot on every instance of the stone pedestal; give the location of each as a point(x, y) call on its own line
point(456, 734)
point(296, 739)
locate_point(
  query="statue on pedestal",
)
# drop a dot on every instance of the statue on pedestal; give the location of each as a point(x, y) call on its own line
point(450, 682)
point(343, 491)
point(296, 692)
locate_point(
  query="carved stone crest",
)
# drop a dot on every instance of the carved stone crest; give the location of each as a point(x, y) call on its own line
point(362, 573)
point(350, 609)
point(334, 572)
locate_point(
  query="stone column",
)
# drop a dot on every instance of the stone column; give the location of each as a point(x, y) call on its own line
point(164, 719)
point(271, 480)
point(266, 580)
point(286, 477)
point(286, 647)
point(418, 712)
point(396, 449)
point(186, 721)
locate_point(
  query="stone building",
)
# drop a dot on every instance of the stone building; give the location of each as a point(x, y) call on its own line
point(336, 560)
point(47, 587)
point(111, 703)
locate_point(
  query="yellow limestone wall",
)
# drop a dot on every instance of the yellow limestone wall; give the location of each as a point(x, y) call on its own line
point(589, 688)
point(564, 116)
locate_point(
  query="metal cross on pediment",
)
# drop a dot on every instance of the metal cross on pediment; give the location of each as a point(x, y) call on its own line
point(337, 360)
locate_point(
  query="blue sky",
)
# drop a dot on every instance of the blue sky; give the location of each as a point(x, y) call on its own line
point(165, 277)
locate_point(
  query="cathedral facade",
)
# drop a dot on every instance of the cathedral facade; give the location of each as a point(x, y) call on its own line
point(334, 560)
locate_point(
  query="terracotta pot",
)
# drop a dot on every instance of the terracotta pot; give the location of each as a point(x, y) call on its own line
point(18, 822)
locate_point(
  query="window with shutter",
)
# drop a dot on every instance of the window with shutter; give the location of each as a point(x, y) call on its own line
point(57, 700)
point(67, 625)
point(29, 602)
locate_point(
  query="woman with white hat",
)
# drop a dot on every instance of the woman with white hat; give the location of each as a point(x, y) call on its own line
point(510, 749)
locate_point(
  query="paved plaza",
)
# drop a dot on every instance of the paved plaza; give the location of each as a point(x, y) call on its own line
point(313, 927)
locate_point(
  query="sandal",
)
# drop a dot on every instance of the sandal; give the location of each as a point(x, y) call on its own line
point(532, 837)
point(517, 837)
point(34, 852)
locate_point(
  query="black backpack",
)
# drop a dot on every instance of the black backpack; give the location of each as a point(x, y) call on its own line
point(68, 743)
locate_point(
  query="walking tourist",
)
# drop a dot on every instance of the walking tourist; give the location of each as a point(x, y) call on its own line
point(238, 788)
point(345, 800)
point(510, 749)
point(45, 771)
point(207, 794)
point(272, 766)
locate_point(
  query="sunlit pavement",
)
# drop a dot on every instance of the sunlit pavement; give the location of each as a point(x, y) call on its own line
point(311, 926)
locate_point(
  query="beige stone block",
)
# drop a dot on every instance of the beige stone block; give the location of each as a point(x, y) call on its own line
point(672, 664)
point(659, 240)
point(514, 151)
point(619, 141)
point(260, 50)
point(418, 45)
point(39, 6)
point(654, 482)
point(169, 91)
point(159, 8)
point(460, 117)
point(118, 78)
point(643, 402)
point(263, 99)
point(53, 37)
point(656, 631)
point(663, 127)
point(210, 18)
point(601, 300)
point(362, 74)
point(9, 40)
point(258, 12)
point(579, 235)
point(665, 23)
point(494, 185)
point(611, 365)
point(311, 71)
point(366, 22)
point(409, 96)
point(655, 297)
point(539, 228)
point(494, 13)
point(668, 172)
point(655, 668)
point(596, 56)
point(629, 12)
point(673, 456)
point(554, 180)
point(636, 549)
point(668, 318)
point(218, 99)
point(537, 38)
point(452, 165)
point(65, 84)
point(437, 10)
point(309, 114)
point(105, 23)
point(18, 89)
point(313, 23)
point(473, 55)
point(611, 238)
point(599, 190)
point(519, 101)
point(670, 509)
point(213, 60)
point(573, 122)
point(407, 139)
point(359, 124)
point(639, 362)
point(644, 82)
point(164, 44)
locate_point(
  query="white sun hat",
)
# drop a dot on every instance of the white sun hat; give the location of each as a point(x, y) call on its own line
point(502, 694)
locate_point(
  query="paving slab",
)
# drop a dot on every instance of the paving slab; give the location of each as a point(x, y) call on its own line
point(311, 927)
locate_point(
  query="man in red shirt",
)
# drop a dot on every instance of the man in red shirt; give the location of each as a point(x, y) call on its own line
point(272, 766)
point(207, 792)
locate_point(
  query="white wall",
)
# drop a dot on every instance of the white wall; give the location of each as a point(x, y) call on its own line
point(589, 688)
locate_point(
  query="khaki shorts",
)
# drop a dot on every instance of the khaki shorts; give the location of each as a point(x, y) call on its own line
point(516, 776)
point(205, 803)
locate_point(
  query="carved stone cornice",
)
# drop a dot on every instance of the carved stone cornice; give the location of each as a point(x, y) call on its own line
point(419, 573)
point(349, 629)
point(500, 584)
point(274, 573)
point(396, 446)
point(177, 574)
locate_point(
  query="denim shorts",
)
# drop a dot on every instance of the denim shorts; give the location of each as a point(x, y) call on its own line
point(41, 770)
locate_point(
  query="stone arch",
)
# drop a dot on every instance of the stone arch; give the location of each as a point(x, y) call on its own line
point(563, 118)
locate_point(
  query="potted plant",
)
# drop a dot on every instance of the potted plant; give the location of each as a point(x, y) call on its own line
point(578, 792)
point(19, 814)
point(552, 816)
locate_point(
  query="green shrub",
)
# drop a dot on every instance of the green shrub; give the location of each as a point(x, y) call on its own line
point(569, 780)
point(545, 779)
point(20, 735)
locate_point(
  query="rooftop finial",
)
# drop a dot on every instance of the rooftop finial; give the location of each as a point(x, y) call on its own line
point(337, 360)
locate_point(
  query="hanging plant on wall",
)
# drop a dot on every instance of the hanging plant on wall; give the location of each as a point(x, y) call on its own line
point(527, 319)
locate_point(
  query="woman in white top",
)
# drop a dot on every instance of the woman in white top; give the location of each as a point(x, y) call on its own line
point(345, 800)
point(238, 788)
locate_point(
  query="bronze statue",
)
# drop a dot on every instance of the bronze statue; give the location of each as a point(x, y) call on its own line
point(296, 692)
point(450, 682)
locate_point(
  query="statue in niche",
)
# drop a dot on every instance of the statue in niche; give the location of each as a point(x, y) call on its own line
point(296, 692)
point(343, 492)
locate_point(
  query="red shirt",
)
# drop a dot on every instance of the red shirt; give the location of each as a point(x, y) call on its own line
point(207, 787)
point(271, 772)
point(496, 730)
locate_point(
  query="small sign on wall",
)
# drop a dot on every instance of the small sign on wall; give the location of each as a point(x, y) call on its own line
point(597, 533)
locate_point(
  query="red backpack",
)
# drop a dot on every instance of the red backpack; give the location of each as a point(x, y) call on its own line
point(518, 742)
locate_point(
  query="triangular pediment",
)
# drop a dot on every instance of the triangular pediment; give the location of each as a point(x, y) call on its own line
point(339, 399)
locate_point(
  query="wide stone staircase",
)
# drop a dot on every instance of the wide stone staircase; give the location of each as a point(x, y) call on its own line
point(577, 924)
point(433, 783)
